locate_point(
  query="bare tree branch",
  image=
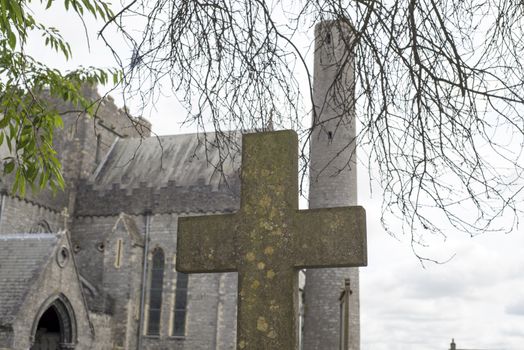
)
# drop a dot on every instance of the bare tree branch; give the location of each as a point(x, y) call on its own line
point(439, 91)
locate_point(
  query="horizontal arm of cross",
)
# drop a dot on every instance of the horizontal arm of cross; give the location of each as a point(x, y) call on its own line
point(206, 244)
point(332, 237)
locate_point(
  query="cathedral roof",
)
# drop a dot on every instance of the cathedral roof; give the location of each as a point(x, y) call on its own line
point(176, 173)
point(22, 258)
point(187, 160)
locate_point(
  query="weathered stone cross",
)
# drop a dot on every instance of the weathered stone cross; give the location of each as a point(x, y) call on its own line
point(268, 240)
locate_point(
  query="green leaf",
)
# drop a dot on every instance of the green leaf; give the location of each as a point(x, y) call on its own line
point(9, 167)
point(58, 122)
point(15, 7)
point(4, 121)
point(11, 38)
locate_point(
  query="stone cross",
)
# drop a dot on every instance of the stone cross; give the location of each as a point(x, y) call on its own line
point(268, 240)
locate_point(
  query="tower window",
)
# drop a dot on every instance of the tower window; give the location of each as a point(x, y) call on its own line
point(118, 254)
point(155, 292)
point(179, 323)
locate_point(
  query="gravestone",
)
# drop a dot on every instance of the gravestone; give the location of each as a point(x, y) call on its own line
point(268, 240)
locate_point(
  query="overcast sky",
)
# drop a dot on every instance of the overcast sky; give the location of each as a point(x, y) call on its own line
point(477, 297)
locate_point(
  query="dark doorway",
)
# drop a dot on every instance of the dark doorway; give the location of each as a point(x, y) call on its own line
point(55, 328)
point(48, 332)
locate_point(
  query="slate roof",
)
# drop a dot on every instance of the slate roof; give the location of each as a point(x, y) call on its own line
point(165, 174)
point(22, 258)
point(187, 160)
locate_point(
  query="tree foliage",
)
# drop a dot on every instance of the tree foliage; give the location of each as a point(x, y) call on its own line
point(439, 90)
point(27, 121)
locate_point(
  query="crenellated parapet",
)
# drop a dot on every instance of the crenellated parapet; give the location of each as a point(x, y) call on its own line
point(55, 201)
point(199, 198)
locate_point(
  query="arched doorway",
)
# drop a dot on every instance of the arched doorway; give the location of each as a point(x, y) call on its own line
point(55, 326)
point(47, 335)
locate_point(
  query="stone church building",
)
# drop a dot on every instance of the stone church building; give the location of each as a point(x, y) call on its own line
point(93, 267)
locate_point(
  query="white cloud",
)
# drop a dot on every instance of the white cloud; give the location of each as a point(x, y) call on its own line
point(406, 307)
point(516, 308)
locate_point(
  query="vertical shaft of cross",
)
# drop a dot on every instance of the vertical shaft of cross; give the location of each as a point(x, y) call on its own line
point(333, 180)
point(268, 170)
point(267, 317)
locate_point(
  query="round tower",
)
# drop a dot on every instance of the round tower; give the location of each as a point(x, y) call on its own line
point(333, 182)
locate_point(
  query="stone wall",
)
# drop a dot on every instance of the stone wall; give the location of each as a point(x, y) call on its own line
point(85, 140)
point(88, 236)
point(211, 314)
point(122, 271)
point(6, 338)
point(20, 216)
point(103, 335)
point(211, 308)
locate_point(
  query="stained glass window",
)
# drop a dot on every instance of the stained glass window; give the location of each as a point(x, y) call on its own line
point(155, 292)
point(179, 324)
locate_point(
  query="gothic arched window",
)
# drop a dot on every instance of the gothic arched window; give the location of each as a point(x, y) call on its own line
point(155, 292)
point(41, 226)
point(179, 322)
